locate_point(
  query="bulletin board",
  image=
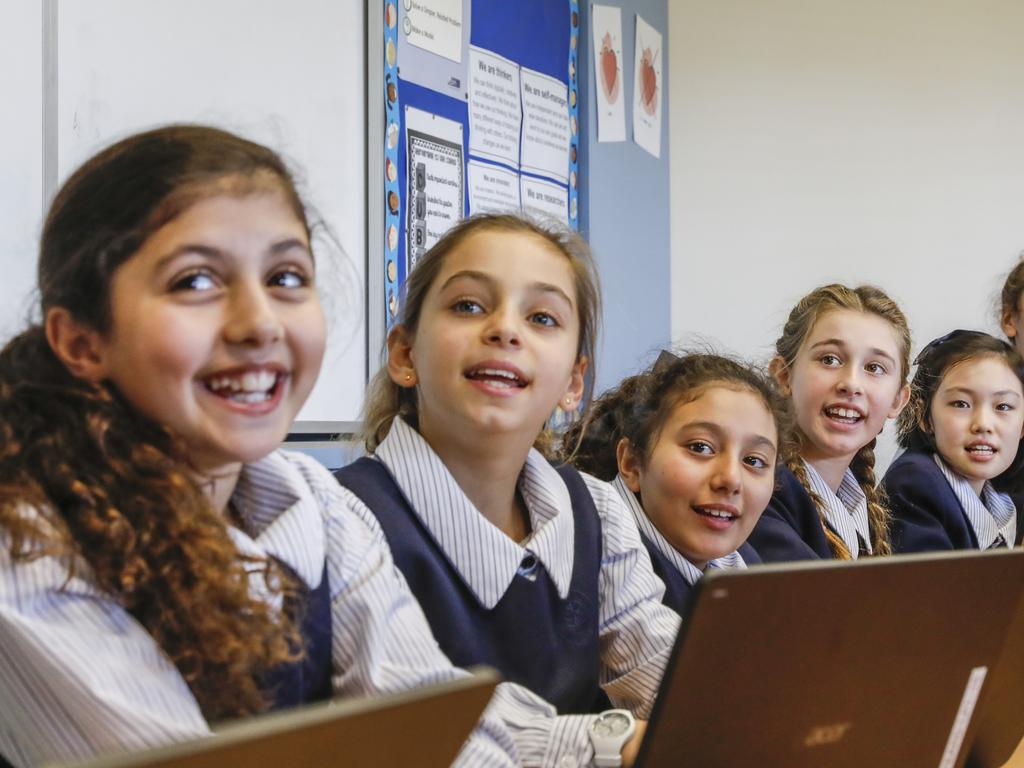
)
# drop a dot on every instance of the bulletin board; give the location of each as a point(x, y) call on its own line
point(481, 113)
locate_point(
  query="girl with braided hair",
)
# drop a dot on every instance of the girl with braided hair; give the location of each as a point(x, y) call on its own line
point(843, 360)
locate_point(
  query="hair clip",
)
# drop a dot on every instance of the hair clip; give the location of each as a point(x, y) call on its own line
point(934, 344)
point(665, 359)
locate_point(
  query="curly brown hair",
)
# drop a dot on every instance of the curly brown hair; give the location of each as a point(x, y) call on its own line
point(114, 491)
point(638, 408)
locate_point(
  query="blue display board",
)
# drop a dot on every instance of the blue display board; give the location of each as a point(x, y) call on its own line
point(481, 102)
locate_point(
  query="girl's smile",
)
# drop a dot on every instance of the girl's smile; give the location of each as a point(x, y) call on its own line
point(977, 415)
point(495, 349)
point(710, 472)
point(845, 382)
point(217, 331)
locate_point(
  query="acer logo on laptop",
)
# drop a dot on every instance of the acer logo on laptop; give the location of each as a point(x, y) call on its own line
point(820, 735)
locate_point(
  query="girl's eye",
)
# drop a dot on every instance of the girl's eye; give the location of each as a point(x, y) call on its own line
point(194, 281)
point(876, 368)
point(289, 278)
point(830, 360)
point(1004, 407)
point(960, 404)
point(467, 307)
point(700, 447)
point(756, 462)
point(544, 318)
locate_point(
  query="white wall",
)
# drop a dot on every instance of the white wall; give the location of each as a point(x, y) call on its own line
point(815, 141)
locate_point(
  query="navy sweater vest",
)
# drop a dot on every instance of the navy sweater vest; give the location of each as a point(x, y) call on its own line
point(308, 679)
point(532, 636)
point(677, 590)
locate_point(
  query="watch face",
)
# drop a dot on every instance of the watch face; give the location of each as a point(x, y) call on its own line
point(612, 724)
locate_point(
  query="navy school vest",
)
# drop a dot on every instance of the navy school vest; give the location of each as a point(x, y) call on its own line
point(309, 678)
point(532, 636)
point(677, 589)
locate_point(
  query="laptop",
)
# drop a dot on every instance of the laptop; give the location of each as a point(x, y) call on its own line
point(874, 663)
point(422, 727)
point(1001, 727)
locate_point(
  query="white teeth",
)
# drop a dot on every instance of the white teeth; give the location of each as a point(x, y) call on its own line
point(717, 513)
point(981, 449)
point(843, 413)
point(497, 372)
point(250, 387)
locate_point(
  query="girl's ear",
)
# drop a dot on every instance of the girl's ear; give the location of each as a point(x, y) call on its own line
point(779, 371)
point(629, 464)
point(1008, 322)
point(577, 385)
point(400, 364)
point(902, 398)
point(79, 346)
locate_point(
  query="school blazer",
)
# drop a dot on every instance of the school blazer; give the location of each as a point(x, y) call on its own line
point(790, 528)
point(927, 516)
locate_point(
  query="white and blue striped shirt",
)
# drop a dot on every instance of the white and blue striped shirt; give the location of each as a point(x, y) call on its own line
point(79, 676)
point(846, 510)
point(690, 572)
point(992, 516)
point(637, 631)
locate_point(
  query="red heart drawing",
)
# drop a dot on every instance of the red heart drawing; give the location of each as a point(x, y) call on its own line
point(648, 82)
point(609, 70)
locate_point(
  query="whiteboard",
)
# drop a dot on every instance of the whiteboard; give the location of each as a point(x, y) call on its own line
point(289, 75)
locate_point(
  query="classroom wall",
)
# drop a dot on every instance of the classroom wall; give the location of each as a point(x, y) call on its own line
point(625, 212)
point(875, 141)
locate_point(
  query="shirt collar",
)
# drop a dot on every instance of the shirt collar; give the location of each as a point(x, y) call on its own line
point(991, 516)
point(846, 510)
point(689, 571)
point(280, 517)
point(486, 558)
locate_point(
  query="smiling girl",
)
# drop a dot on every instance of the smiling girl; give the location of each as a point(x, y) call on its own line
point(691, 446)
point(843, 360)
point(163, 566)
point(962, 431)
point(537, 571)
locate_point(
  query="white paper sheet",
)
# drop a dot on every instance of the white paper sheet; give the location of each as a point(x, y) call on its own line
point(492, 189)
point(435, 191)
point(434, 26)
point(545, 200)
point(606, 22)
point(647, 96)
point(495, 114)
point(545, 145)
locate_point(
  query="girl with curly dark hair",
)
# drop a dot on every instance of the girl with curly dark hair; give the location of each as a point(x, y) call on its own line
point(162, 564)
point(691, 445)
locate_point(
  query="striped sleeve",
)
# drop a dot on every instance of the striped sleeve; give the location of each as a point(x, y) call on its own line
point(637, 631)
point(78, 675)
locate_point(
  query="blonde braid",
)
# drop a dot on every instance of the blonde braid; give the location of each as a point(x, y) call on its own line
point(835, 541)
point(879, 516)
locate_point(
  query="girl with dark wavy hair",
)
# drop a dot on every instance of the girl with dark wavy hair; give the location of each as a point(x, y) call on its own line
point(162, 564)
point(690, 444)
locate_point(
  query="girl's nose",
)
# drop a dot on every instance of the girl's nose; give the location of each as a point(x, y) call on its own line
point(252, 320)
point(503, 329)
point(850, 383)
point(726, 476)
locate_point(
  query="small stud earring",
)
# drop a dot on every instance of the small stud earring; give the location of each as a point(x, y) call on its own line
point(408, 377)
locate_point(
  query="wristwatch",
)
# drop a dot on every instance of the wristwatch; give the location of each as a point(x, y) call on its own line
point(608, 733)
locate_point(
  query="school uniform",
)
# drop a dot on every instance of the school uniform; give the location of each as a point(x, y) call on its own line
point(791, 527)
point(934, 508)
point(575, 602)
point(80, 676)
point(671, 566)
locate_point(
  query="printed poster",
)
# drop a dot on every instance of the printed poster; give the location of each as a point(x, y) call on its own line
point(435, 184)
point(492, 189)
point(495, 114)
point(647, 96)
point(545, 143)
point(545, 200)
point(606, 21)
